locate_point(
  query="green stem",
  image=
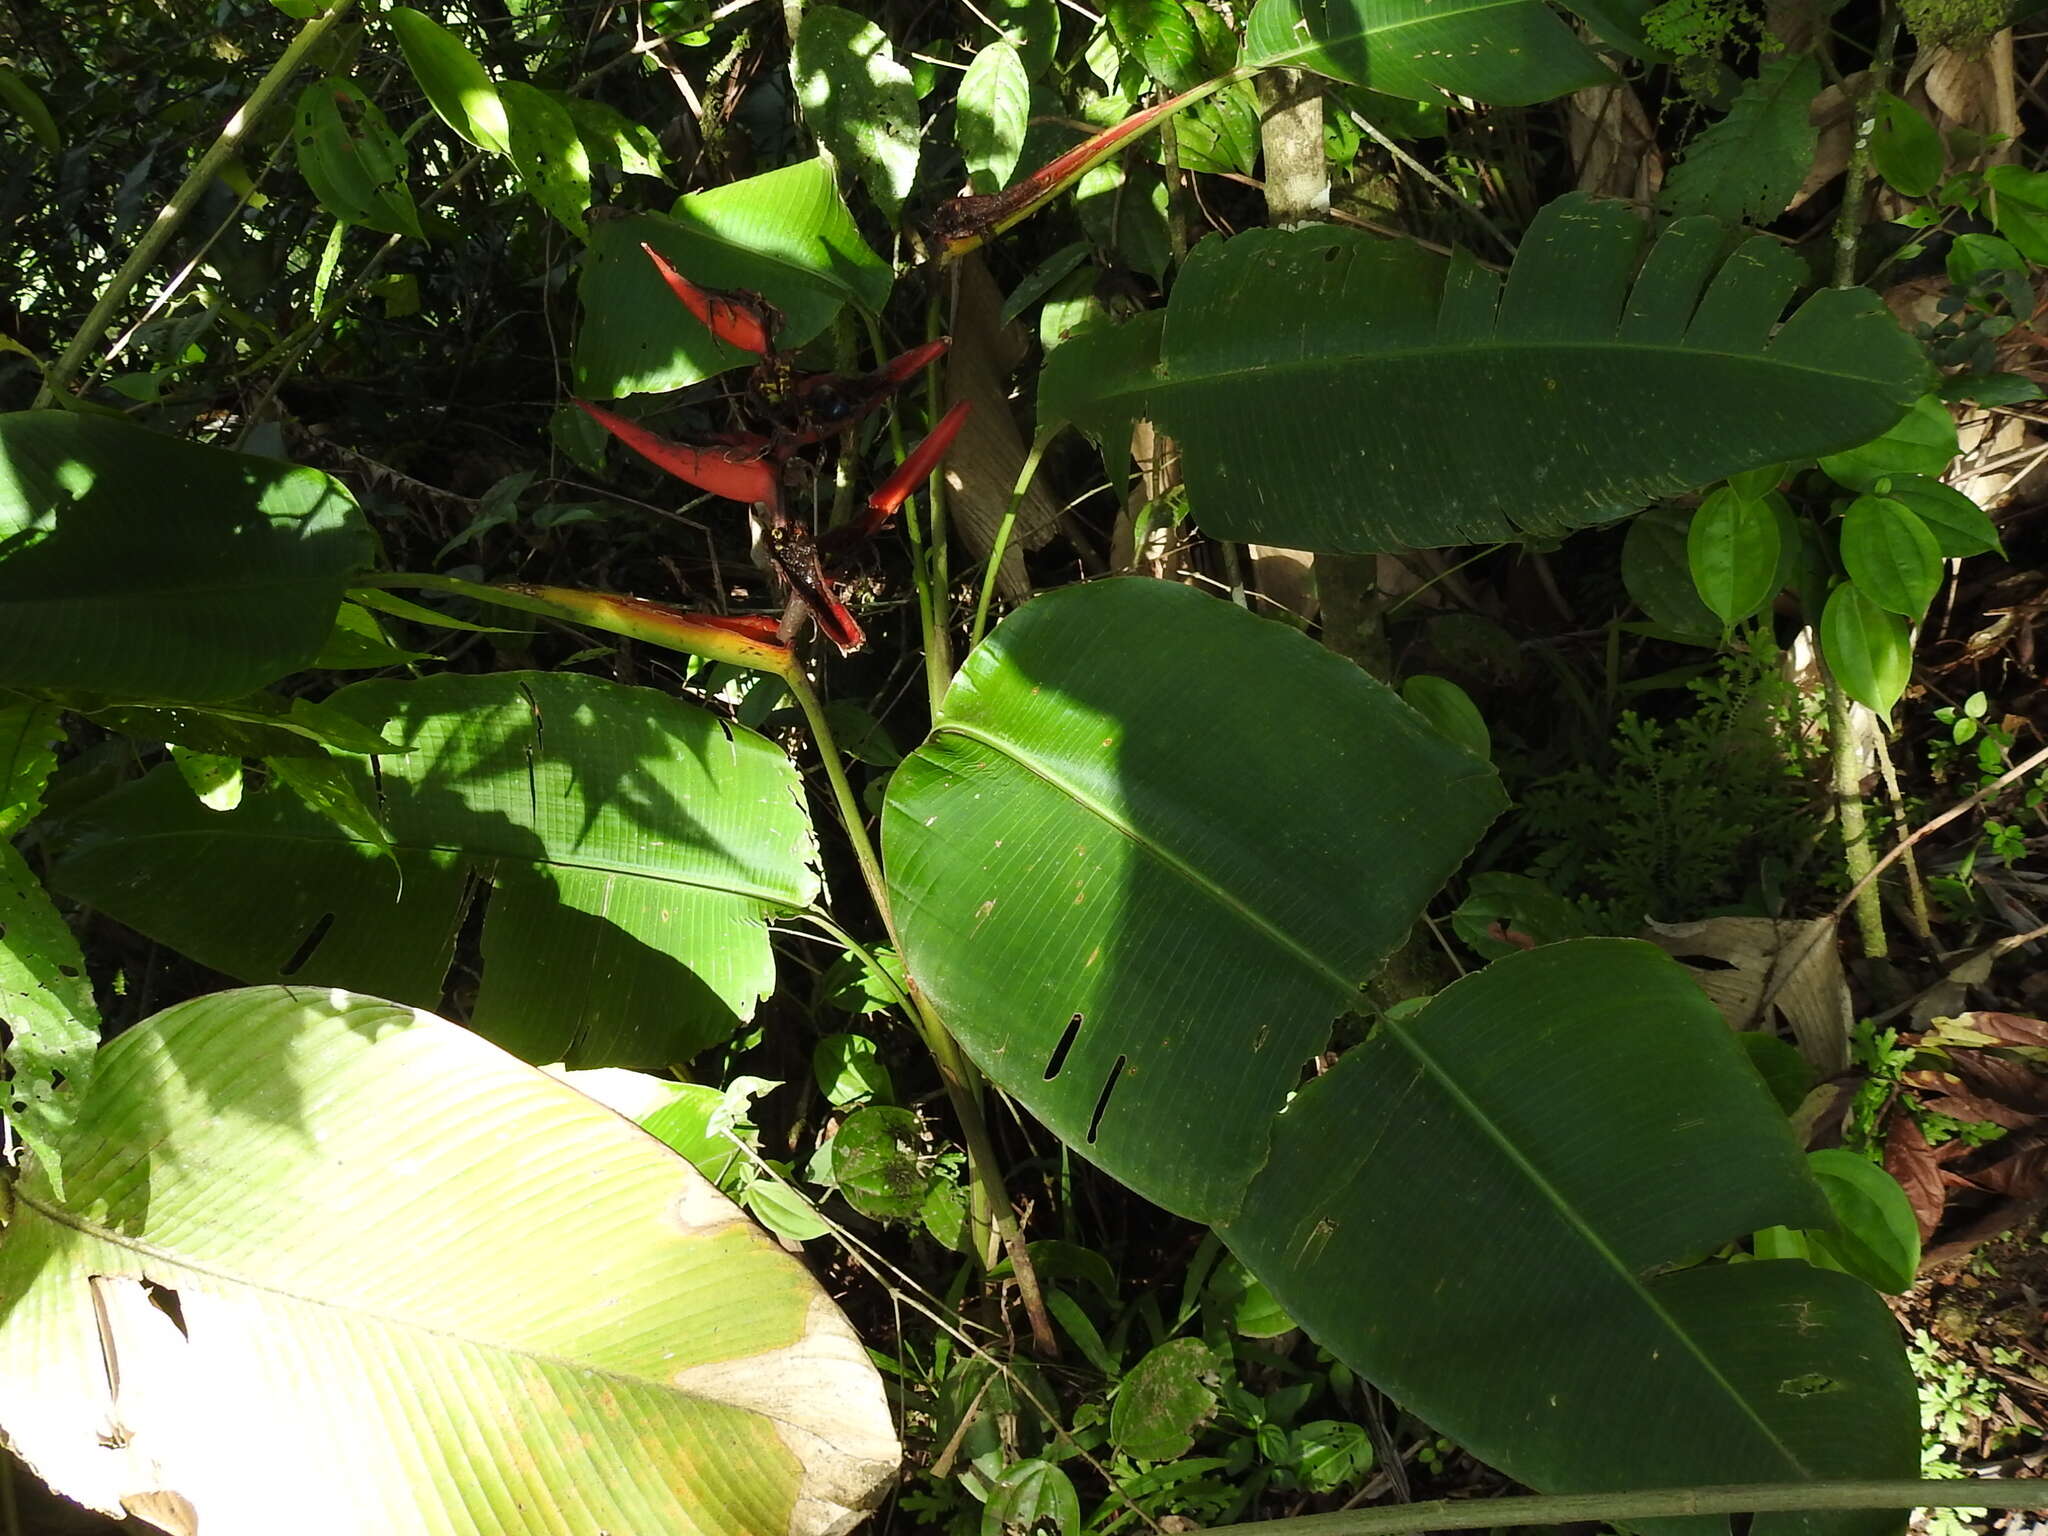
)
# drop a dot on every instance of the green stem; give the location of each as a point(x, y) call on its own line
point(1616, 1508)
point(173, 213)
point(1846, 785)
point(1018, 492)
point(962, 1083)
point(1849, 218)
point(842, 794)
point(938, 654)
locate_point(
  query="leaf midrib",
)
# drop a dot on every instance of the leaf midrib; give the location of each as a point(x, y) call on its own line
point(69, 1221)
point(1429, 1064)
point(776, 899)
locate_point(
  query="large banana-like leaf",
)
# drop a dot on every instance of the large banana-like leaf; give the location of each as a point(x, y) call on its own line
point(629, 846)
point(1154, 845)
point(139, 566)
point(1185, 832)
point(1508, 52)
point(1334, 391)
point(330, 1266)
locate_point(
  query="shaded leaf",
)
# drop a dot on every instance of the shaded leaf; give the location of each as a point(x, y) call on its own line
point(1748, 167)
point(1163, 1400)
point(1958, 524)
point(1921, 443)
point(874, 1163)
point(351, 159)
point(1161, 36)
point(1732, 549)
point(134, 565)
point(858, 100)
point(1905, 147)
point(1876, 1237)
point(1031, 1496)
point(1911, 1162)
point(1555, 400)
point(628, 846)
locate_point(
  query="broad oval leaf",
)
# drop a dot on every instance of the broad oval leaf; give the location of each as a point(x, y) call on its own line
point(453, 79)
point(1152, 847)
point(1488, 1209)
point(1455, 408)
point(1161, 36)
point(858, 100)
point(1748, 167)
point(1732, 549)
point(1923, 442)
point(1869, 649)
point(874, 1163)
point(403, 1303)
point(1508, 52)
point(1905, 147)
point(1032, 1495)
point(992, 111)
point(351, 159)
point(1891, 555)
point(544, 144)
point(629, 847)
point(786, 235)
point(1657, 573)
point(135, 565)
point(1958, 524)
point(1164, 1400)
point(1876, 1236)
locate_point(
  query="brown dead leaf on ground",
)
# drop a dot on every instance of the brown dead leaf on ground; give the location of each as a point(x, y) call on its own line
point(1909, 1159)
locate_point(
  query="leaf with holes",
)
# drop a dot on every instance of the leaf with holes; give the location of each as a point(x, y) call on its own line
point(352, 160)
point(624, 849)
point(1154, 846)
point(549, 152)
point(874, 1163)
point(137, 566)
point(1463, 407)
point(51, 1024)
point(1747, 167)
point(858, 100)
point(350, 1268)
point(1163, 1400)
point(786, 235)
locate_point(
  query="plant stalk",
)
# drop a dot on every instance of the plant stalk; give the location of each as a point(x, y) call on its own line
point(1004, 529)
point(1846, 786)
point(961, 1082)
point(173, 213)
point(1724, 1499)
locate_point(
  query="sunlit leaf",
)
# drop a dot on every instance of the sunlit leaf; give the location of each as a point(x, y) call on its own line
point(858, 100)
point(1891, 555)
point(993, 107)
point(453, 79)
point(549, 152)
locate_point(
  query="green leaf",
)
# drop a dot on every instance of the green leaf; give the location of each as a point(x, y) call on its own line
point(1032, 27)
point(786, 235)
point(1875, 1236)
point(1450, 709)
point(858, 100)
point(1780, 1065)
point(1958, 524)
point(1890, 555)
point(1748, 167)
point(29, 733)
point(1150, 850)
point(1507, 52)
point(1732, 549)
point(137, 566)
point(23, 100)
point(1971, 254)
point(628, 847)
point(1656, 570)
point(857, 987)
point(1220, 134)
point(1905, 147)
point(1541, 1315)
point(693, 1119)
point(455, 83)
point(1161, 36)
point(215, 781)
point(352, 160)
point(1489, 411)
point(1163, 1400)
point(612, 138)
point(315, 1186)
point(874, 1163)
point(1869, 650)
point(2019, 208)
point(993, 109)
point(1922, 443)
point(549, 152)
point(52, 1026)
point(849, 1069)
point(1031, 1495)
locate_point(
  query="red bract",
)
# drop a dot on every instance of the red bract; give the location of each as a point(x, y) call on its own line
point(737, 471)
point(741, 320)
point(915, 469)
